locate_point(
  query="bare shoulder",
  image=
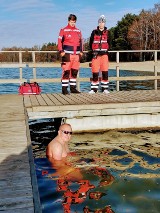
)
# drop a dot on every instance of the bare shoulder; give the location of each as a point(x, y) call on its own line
point(53, 148)
point(54, 144)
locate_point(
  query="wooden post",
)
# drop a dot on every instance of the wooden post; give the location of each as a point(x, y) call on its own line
point(155, 56)
point(117, 57)
point(117, 82)
point(155, 74)
point(117, 70)
point(34, 67)
point(78, 82)
point(20, 65)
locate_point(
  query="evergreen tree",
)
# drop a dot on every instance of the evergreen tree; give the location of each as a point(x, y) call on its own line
point(118, 34)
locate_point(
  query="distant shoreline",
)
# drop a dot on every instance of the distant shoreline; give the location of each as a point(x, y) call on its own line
point(147, 66)
point(134, 66)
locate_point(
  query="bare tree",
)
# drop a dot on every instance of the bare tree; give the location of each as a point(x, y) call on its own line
point(144, 33)
point(155, 27)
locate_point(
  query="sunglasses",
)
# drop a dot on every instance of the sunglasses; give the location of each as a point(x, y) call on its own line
point(66, 132)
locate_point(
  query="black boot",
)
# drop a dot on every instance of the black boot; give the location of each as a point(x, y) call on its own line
point(65, 91)
point(102, 89)
point(73, 89)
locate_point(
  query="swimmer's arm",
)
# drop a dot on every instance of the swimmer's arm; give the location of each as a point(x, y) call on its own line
point(55, 152)
point(66, 147)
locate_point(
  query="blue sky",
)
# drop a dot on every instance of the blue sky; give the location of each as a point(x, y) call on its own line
point(35, 22)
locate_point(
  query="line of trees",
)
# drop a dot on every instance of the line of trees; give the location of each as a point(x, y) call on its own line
point(133, 32)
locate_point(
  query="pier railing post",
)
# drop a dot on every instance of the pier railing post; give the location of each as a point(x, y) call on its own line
point(117, 74)
point(78, 82)
point(117, 57)
point(20, 65)
point(34, 66)
point(155, 80)
point(155, 70)
point(155, 56)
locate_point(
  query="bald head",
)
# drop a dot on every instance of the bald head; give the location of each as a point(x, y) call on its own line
point(65, 127)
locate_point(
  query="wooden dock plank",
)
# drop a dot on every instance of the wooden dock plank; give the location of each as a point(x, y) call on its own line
point(16, 194)
point(27, 101)
point(41, 100)
point(53, 97)
point(110, 98)
point(86, 98)
point(20, 210)
point(21, 202)
point(34, 100)
point(47, 99)
point(95, 98)
point(68, 99)
point(77, 99)
point(94, 106)
point(90, 112)
point(61, 99)
point(11, 106)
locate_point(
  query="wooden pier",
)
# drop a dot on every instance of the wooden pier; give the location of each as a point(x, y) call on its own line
point(85, 112)
point(99, 112)
point(18, 188)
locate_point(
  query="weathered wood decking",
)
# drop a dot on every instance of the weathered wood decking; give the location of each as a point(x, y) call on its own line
point(54, 104)
point(16, 193)
point(17, 187)
point(124, 109)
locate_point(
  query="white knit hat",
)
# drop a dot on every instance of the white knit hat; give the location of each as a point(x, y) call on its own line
point(102, 18)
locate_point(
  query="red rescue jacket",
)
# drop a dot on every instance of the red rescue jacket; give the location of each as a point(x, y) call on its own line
point(70, 40)
point(99, 40)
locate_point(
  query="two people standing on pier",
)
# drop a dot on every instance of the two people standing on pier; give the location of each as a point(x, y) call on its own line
point(70, 48)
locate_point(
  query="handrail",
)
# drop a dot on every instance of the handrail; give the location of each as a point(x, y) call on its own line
point(117, 65)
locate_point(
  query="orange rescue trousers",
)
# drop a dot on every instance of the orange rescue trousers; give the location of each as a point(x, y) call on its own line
point(70, 69)
point(100, 64)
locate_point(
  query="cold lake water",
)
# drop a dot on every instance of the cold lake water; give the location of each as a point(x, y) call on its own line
point(109, 171)
point(8, 73)
point(112, 171)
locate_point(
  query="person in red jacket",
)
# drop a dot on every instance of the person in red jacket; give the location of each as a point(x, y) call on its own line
point(70, 48)
point(99, 46)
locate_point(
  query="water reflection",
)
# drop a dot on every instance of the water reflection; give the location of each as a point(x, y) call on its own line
point(78, 187)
